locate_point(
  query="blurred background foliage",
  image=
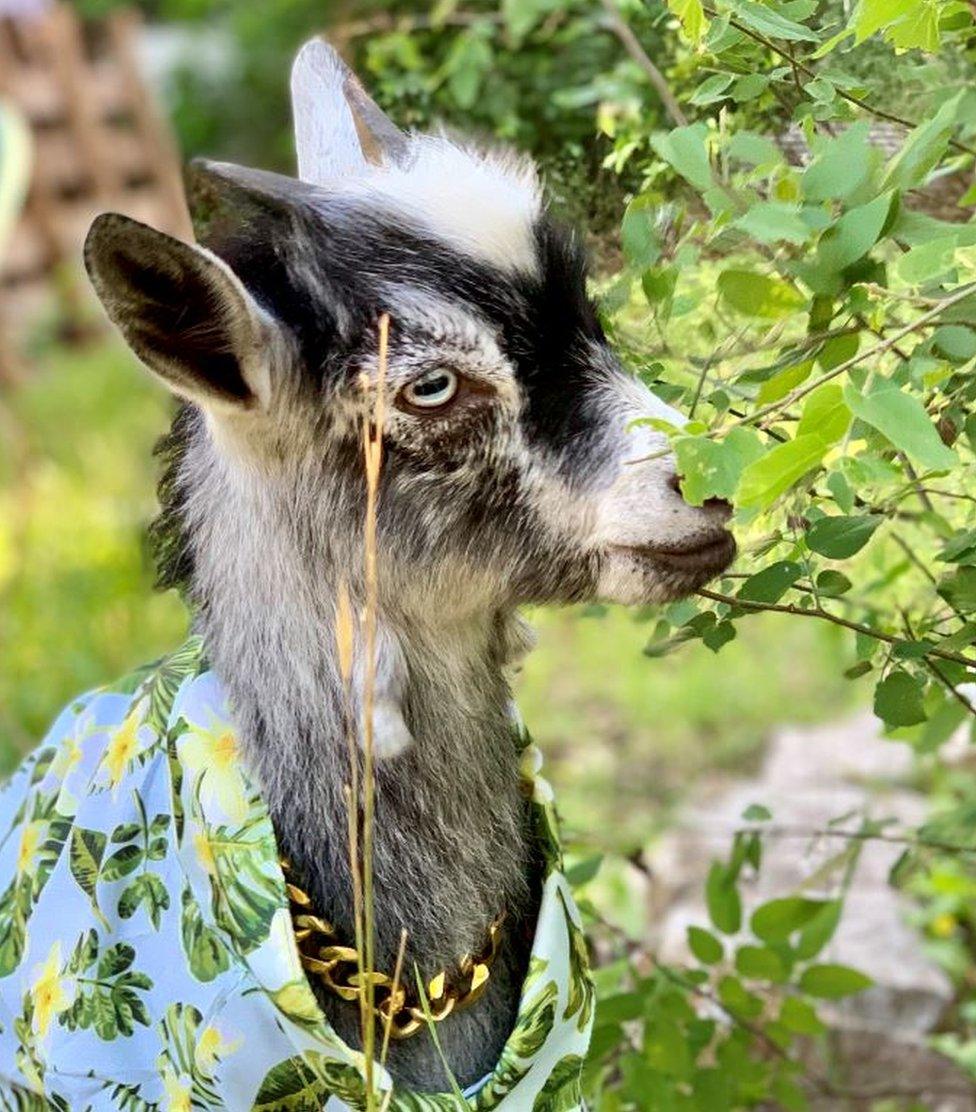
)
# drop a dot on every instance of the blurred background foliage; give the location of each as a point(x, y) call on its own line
point(744, 251)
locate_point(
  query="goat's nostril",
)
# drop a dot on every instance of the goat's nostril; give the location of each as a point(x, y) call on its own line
point(718, 505)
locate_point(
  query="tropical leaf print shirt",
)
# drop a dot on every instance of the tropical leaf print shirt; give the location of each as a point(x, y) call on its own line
point(147, 960)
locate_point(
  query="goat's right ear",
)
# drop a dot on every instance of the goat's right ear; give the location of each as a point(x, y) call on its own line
point(183, 312)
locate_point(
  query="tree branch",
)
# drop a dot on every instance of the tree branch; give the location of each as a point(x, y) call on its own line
point(826, 616)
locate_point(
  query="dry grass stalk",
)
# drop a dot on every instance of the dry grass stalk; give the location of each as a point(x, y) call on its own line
point(373, 456)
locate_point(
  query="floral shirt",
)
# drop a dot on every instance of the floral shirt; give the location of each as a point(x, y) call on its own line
point(147, 960)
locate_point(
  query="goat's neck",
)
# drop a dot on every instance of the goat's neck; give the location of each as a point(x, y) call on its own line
point(450, 833)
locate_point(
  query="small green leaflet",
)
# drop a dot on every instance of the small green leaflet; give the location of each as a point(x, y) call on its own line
point(841, 165)
point(764, 480)
point(854, 234)
point(773, 221)
point(758, 295)
point(768, 22)
point(684, 149)
point(722, 899)
point(711, 468)
point(776, 920)
point(901, 417)
point(842, 536)
point(898, 699)
point(691, 15)
point(825, 414)
point(704, 945)
point(831, 982)
point(770, 584)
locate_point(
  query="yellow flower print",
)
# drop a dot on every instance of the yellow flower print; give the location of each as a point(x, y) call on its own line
point(177, 1092)
point(212, 1048)
point(123, 746)
point(31, 837)
point(68, 756)
point(204, 852)
point(48, 991)
point(212, 755)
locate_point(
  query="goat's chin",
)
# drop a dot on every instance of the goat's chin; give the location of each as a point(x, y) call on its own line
point(656, 574)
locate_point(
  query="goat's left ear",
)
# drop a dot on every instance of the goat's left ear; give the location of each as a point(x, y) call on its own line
point(183, 312)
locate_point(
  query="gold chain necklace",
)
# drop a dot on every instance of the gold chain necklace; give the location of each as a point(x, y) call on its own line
point(337, 968)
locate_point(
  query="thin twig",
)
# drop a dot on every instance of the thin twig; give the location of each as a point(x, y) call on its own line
point(630, 42)
point(826, 616)
point(878, 113)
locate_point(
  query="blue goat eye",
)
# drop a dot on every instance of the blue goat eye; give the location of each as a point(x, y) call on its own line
point(432, 390)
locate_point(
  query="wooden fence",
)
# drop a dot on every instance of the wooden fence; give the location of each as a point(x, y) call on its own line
point(99, 143)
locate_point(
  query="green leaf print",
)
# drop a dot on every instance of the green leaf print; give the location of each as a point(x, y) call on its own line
point(15, 909)
point(562, 1092)
point(580, 983)
point(180, 1033)
point(532, 1027)
point(122, 862)
point(246, 888)
point(162, 685)
point(304, 1083)
point(146, 889)
point(205, 951)
point(109, 1002)
point(87, 849)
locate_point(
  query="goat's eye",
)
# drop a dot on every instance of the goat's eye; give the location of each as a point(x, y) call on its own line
point(432, 390)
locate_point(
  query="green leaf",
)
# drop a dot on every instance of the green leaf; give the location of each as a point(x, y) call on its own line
point(898, 699)
point(760, 963)
point(840, 537)
point(901, 417)
point(927, 261)
point(691, 15)
point(712, 89)
point(769, 22)
point(770, 584)
point(819, 931)
point(705, 946)
point(757, 812)
point(584, 871)
point(658, 283)
point(825, 414)
point(711, 468)
point(800, 1017)
point(873, 15)
point(776, 920)
point(754, 150)
point(722, 899)
point(773, 222)
point(925, 146)
point(833, 584)
point(684, 149)
point(841, 166)
point(959, 589)
point(764, 480)
point(758, 295)
point(831, 982)
point(854, 234)
point(638, 233)
point(115, 960)
point(955, 342)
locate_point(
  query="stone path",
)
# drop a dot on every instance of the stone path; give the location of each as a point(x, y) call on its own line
point(809, 778)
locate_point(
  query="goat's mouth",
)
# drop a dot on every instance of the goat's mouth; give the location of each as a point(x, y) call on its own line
point(700, 560)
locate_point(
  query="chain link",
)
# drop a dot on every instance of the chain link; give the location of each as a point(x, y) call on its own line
point(337, 968)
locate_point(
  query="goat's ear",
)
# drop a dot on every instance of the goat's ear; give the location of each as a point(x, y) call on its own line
point(339, 129)
point(183, 312)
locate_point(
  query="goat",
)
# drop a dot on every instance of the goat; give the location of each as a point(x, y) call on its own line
point(514, 473)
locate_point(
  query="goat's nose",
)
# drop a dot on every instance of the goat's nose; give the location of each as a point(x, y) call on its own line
point(718, 506)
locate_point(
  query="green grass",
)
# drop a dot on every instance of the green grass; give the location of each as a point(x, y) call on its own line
point(625, 735)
